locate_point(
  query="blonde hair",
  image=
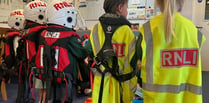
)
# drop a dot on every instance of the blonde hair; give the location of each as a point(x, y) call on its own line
point(168, 7)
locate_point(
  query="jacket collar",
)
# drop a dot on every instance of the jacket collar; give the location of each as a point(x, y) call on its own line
point(113, 19)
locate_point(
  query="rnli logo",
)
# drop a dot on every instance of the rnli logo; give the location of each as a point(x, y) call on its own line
point(37, 4)
point(62, 5)
point(178, 58)
point(119, 49)
point(16, 13)
point(109, 29)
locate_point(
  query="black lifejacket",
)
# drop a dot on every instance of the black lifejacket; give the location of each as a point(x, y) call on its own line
point(53, 52)
point(52, 61)
point(9, 52)
point(110, 22)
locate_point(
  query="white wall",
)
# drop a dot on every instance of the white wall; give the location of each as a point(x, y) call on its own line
point(92, 12)
point(7, 7)
point(195, 12)
point(198, 19)
point(187, 9)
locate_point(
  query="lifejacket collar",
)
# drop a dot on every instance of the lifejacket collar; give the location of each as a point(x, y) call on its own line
point(113, 19)
point(58, 28)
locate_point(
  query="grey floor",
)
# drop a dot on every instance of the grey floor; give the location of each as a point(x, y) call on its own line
point(12, 92)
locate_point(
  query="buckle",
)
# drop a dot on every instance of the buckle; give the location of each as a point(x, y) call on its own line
point(96, 61)
point(35, 71)
point(63, 74)
point(58, 74)
point(33, 68)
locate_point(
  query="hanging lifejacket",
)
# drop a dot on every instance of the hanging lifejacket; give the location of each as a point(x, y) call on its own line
point(2, 40)
point(32, 36)
point(9, 61)
point(9, 57)
point(58, 42)
point(52, 59)
point(26, 45)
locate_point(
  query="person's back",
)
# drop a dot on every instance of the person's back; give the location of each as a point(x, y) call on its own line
point(123, 43)
point(114, 51)
point(184, 31)
point(36, 23)
point(31, 37)
point(171, 63)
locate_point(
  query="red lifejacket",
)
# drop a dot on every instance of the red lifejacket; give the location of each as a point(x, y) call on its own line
point(9, 47)
point(59, 42)
point(32, 35)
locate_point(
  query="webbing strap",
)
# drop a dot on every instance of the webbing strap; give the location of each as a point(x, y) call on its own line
point(149, 52)
point(199, 38)
point(96, 39)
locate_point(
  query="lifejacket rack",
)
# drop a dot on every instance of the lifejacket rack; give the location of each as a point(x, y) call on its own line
point(3, 32)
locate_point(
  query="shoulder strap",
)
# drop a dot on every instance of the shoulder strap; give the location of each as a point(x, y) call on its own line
point(33, 36)
point(199, 38)
point(107, 52)
point(47, 62)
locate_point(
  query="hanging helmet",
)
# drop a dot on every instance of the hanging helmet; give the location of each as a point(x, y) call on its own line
point(16, 19)
point(61, 12)
point(35, 11)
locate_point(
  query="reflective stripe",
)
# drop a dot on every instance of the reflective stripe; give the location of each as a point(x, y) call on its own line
point(97, 47)
point(149, 52)
point(27, 48)
point(41, 56)
point(96, 73)
point(96, 39)
point(56, 58)
point(199, 38)
point(149, 69)
point(131, 48)
point(173, 88)
point(131, 86)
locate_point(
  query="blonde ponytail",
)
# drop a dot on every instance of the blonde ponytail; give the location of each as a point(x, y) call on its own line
point(169, 11)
